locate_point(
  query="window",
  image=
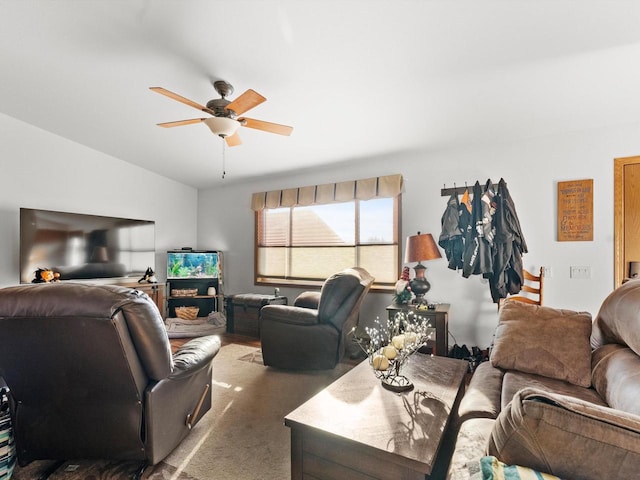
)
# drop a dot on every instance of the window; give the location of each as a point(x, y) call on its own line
point(303, 245)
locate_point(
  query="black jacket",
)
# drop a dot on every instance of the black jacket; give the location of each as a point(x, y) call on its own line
point(451, 236)
point(509, 246)
point(477, 257)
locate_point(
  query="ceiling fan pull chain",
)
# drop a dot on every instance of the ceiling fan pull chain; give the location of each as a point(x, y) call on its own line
point(224, 169)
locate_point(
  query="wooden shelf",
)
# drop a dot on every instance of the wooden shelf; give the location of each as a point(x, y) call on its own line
point(186, 297)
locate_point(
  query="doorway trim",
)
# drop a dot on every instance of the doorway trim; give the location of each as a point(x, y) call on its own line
point(619, 270)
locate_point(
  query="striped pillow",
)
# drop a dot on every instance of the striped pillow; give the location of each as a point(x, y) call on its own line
point(490, 468)
point(7, 447)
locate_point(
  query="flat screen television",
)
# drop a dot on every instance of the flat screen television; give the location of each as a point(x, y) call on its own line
point(81, 246)
point(192, 264)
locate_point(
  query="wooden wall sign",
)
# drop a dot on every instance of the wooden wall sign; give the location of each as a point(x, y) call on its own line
point(575, 211)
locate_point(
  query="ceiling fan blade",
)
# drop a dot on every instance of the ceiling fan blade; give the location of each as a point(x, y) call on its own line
point(266, 126)
point(233, 140)
point(179, 123)
point(245, 102)
point(181, 99)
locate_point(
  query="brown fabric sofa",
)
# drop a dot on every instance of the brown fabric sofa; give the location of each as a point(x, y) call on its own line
point(559, 394)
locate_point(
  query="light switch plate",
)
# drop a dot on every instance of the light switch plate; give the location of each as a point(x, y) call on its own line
point(583, 271)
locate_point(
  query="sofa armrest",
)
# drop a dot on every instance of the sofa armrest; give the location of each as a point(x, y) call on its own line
point(195, 355)
point(307, 300)
point(289, 314)
point(175, 404)
point(471, 445)
point(482, 397)
point(566, 437)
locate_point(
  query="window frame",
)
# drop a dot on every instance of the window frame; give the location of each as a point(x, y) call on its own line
point(306, 283)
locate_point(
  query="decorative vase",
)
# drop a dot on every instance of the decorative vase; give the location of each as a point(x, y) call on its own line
point(388, 348)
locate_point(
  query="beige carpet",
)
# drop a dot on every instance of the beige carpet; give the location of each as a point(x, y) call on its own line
point(242, 437)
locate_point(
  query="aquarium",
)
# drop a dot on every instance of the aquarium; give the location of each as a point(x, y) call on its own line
point(192, 264)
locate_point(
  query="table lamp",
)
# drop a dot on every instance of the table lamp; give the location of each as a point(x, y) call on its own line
point(419, 248)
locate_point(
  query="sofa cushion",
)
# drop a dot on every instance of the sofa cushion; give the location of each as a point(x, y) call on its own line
point(515, 381)
point(339, 293)
point(616, 377)
point(482, 396)
point(567, 437)
point(289, 315)
point(618, 320)
point(546, 341)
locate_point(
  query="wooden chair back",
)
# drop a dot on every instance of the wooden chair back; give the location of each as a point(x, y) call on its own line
point(533, 287)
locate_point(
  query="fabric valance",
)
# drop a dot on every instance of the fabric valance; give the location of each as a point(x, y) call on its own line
point(366, 189)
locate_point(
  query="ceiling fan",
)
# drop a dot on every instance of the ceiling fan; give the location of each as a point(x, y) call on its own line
point(225, 120)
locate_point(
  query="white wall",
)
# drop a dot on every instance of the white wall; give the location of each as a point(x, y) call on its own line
point(42, 170)
point(531, 169)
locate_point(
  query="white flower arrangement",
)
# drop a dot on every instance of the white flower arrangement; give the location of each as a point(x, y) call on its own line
point(388, 347)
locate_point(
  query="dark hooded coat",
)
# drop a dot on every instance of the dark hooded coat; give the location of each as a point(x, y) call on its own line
point(451, 236)
point(477, 257)
point(509, 246)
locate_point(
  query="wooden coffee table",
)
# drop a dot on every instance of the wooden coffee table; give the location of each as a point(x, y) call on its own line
point(356, 429)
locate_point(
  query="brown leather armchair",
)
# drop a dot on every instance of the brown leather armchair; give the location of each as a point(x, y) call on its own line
point(312, 333)
point(91, 374)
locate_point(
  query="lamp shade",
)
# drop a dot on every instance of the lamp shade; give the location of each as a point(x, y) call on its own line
point(222, 126)
point(421, 247)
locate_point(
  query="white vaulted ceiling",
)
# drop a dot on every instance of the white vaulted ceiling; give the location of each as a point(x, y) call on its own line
point(355, 78)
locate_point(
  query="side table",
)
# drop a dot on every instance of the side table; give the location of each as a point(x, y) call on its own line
point(438, 317)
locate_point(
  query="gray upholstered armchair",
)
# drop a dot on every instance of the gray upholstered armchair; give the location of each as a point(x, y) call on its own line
point(92, 375)
point(312, 333)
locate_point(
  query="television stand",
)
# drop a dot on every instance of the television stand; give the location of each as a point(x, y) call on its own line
point(154, 290)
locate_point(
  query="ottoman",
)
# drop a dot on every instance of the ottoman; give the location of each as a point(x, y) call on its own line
point(243, 311)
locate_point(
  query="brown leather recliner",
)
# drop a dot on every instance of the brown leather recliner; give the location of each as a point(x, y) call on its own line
point(312, 333)
point(92, 375)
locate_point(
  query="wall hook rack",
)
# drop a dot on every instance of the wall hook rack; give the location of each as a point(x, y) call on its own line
point(447, 192)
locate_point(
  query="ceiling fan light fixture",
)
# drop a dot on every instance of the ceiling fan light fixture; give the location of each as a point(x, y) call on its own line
point(224, 121)
point(222, 126)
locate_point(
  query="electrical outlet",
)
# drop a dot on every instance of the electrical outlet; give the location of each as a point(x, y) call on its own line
point(580, 271)
point(547, 272)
